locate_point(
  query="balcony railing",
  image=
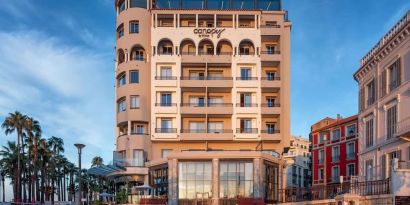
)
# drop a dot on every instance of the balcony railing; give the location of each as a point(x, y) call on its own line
point(270, 52)
point(165, 77)
point(246, 78)
point(247, 130)
point(321, 192)
point(165, 53)
point(165, 104)
point(166, 130)
point(205, 78)
point(270, 104)
point(403, 127)
point(241, 201)
point(270, 78)
point(218, 78)
point(213, 131)
point(224, 53)
point(188, 53)
point(246, 53)
point(216, 131)
point(220, 104)
point(195, 201)
point(193, 131)
point(246, 105)
point(205, 53)
point(269, 131)
point(206, 104)
point(270, 26)
point(193, 105)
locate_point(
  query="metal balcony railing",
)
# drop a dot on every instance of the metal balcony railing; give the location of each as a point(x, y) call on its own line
point(165, 104)
point(270, 78)
point(218, 78)
point(270, 52)
point(246, 105)
point(166, 130)
point(193, 131)
point(217, 131)
point(246, 78)
point(247, 130)
point(270, 104)
point(270, 131)
point(220, 104)
point(165, 77)
point(270, 26)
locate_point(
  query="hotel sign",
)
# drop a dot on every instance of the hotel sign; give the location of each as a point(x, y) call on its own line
point(208, 32)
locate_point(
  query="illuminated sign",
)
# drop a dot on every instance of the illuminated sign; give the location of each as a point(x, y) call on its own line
point(208, 32)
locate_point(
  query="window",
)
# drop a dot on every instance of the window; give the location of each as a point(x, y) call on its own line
point(246, 126)
point(394, 75)
point(336, 134)
point(270, 101)
point(335, 174)
point(321, 156)
point(196, 75)
point(244, 50)
point(236, 179)
point(321, 174)
point(246, 100)
point(351, 170)
point(371, 93)
point(215, 127)
point(322, 138)
point(121, 6)
point(195, 180)
point(167, 49)
point(294, 175)
point(368, 169)
point(369, 133)
point(166, 73)
point(351, 130)
point(391, 121)
point(121, 105)
point(196, 127)
point(350, 151)
point(270, 49)
point(166, 99)
point(138, 3)
point(270, 75)
point(197, 101)
point(134, 76)
point(137, 129)
point(335, 154)
point(138, 158)
point(246, 74)
point(122, 80)
point(134, 26)
point(270, 128)
point(165, 152)
point(134, 101)
point(215, 101)
point(120, 31)
point(166, 126)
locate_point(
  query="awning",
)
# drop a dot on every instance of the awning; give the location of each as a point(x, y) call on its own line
point(104, 170)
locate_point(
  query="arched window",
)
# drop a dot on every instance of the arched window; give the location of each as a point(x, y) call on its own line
point(120, 56)
point(120, 31)
point(121, 6)
point(137, 53)
point(187, 47)
point(206, 47)
point(224, 47)
point(246, 47)
point(165, 47)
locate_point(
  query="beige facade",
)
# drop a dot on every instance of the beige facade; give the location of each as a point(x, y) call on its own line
point(198, 86)
point(384, 107)
point(298, 163)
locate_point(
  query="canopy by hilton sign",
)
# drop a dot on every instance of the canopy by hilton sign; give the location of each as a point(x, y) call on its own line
point(208, 32)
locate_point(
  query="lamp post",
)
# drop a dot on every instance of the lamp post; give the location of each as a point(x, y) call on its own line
point(3, 175)
point(79, 148)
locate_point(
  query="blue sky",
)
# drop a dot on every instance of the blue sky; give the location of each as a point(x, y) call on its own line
point(56, 63)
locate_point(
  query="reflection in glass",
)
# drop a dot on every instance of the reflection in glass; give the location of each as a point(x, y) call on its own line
point(195, 180)
point(236, 179)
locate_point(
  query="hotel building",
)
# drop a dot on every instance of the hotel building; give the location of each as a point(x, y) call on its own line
point(202, 94)
point(384, 102)
point(334, 150)
point(298, 163)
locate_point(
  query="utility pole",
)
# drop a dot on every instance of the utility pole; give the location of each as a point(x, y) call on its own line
point(79, 148)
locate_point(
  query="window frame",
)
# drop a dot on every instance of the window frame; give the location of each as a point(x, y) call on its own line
point(138, 76)
point(132, 24)
point(137, 97)
point(347, 169)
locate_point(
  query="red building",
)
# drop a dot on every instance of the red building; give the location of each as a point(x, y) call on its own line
point(334, 149)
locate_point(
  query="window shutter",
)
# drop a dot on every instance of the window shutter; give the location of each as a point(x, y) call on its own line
point(398, 72)
point(375, 89)
point(383, 166)
point(361, 99)
point(383, 83)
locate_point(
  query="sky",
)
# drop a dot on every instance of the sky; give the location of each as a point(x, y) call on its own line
point(57, 64)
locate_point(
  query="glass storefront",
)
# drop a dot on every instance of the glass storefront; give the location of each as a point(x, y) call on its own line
point(195, 180)
point(236, 179)
point(271, 182)
point(158, 180)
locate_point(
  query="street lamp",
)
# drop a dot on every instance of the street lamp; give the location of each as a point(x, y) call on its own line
point(3, 175)
point(79, 148)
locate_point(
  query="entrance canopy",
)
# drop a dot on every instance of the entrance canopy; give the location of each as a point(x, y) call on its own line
point(104, 170)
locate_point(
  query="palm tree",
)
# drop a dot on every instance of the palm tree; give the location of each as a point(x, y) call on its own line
point(8, 163)
point(97, 161)
point(33, 133)
point(15, 123)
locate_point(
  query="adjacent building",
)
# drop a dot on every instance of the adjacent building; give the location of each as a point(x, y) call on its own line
point(384, 102)
point(202, 98)
point(334, 150)
point(298, 163)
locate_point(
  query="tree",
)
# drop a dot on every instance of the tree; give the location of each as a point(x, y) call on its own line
point(15, 122)
point(97, 161)
point(32, 133)
point(8, 163)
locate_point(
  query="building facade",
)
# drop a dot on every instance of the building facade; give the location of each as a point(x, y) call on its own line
point(298, 163)
point(334, 150)
point(384, 102)
point(202, 97)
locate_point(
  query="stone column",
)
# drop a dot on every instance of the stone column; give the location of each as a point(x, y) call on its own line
point(173, 182)
point(257, 178)
point(215, 181)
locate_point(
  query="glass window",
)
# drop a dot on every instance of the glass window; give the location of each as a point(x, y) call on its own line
point(391, 121)
point(270, 5)
point(121, 105)
point(394, 77)
point(138, 159)
point(121, 6)
point(215, 127)
point(193, 4)
point(351, 130)
point(122, 80)
point(134, 27)
point(236, 179)
point(135, 101)
point(218, 4)
point(270, 128)
point(195, 180)
point(166, 99)
point(165, 153)
point(336, 134)
point(350, 151)
point(335, 174)
point(166, 73)
point(322, 138)
point(270, 101)
point(371, 90)
point(243, 4)
point(321, 156)
point(321, 174)
point(369, 133)
point(138, 3)
point(134, 76)
point(335, 154)
point(120, 31)
point(270, 75)
point(350, 170)
point(246, 100)
point(166, 123)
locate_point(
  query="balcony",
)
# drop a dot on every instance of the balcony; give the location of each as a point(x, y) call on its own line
point(225, 57)
point(270, 82)
point(165, 81)
point(199, 135)
point(271, 135)
point(209, 81)
point(270, 108)
point(403, 129)
point(271, 55)
point(210, 108)
point(165, 130)
point(247, 108)
point(247, 130)
point(165, 108)
point(270, 29)
point(247, 82)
